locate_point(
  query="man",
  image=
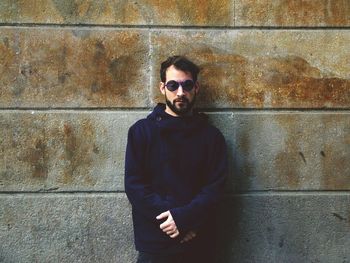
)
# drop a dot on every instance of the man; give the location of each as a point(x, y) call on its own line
point(175, 169)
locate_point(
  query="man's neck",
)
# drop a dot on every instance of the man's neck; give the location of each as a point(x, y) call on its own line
point(170, 112)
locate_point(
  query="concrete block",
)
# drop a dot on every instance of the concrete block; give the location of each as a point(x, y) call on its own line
point(84, 151)
point(66, 228)
point(262, 68)
point(290, 227)
point(290, 151)
point(119, 12)
point(311, 13)
point(63, 151)
point(52, 67)
point(251, 228)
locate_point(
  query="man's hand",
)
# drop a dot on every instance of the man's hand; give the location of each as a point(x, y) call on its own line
point(168, 226)
point(190, 235)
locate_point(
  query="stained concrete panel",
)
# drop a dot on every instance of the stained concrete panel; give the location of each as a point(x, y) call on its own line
point(65, 228)
point(84, 151)
point(262, 68)
point(290, 227)
point(311, 13)
point(291, 151)
point(251, 228)
point(63, 151)
point(119, 12)
point(55, 67)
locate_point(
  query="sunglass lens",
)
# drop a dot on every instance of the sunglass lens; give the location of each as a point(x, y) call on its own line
point(188, 85)
point(172, 85)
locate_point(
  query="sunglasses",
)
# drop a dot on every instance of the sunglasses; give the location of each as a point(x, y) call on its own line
point(186, 85)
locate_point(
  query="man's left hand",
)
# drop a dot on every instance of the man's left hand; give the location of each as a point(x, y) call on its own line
point(168, 226)
point(189, 236)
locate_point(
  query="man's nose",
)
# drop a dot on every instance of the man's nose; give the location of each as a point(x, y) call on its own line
point(180, 91)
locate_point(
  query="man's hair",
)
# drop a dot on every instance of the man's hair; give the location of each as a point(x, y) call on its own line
point(180, 63)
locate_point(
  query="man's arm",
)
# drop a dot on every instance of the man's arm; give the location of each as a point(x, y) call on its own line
point(191, 216)
point(169, 227)
point(137, 187)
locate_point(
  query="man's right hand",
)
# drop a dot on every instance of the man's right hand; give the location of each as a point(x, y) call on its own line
point(190, 235)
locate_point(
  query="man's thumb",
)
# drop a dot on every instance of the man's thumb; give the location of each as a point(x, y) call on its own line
point(162, 215)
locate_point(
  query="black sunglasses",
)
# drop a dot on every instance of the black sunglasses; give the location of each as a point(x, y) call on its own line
point(173, 85)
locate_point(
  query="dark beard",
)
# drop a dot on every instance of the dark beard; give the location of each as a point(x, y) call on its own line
point(183, 110)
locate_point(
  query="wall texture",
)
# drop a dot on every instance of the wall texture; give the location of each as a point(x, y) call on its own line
point(74, 75)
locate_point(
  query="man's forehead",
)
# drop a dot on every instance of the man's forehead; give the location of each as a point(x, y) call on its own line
point(172, 71)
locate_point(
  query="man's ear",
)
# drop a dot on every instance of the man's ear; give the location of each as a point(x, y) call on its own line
point(196, 87)
point(162, 87)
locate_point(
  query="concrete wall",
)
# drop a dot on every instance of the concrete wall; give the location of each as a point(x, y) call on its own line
point(76, 74)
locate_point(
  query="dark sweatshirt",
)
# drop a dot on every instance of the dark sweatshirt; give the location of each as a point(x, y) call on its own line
point(177, 164)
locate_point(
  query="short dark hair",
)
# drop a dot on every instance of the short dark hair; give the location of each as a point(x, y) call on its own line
point(180, 63)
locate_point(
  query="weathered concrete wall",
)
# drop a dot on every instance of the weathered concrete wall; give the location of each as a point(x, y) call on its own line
point(76, 74)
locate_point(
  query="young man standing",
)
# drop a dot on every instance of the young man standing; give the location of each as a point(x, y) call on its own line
point(175, 168)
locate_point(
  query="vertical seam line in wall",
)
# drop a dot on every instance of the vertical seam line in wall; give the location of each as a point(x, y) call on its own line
point(234, 13)
point(150, 69)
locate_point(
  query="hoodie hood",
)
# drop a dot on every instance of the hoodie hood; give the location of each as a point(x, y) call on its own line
point(182, 124)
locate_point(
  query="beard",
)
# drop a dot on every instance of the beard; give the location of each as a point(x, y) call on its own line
point(181, 106)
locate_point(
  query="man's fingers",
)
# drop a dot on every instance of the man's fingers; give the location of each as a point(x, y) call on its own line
point(163, 215)
point(169, 228)
point(166, 224)
point(175, 234)
point(170, 232)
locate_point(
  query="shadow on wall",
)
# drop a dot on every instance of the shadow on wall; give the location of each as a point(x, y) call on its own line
point(227, 229)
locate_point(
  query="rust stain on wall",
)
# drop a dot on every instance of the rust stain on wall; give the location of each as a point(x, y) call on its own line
point(37, 157)
point(292, 162)
point(287, 163)
point(112, 12)
point(8, 58)
point(233, 80)
point(333, 166)
point(335, 161)
point(293, 13)
point(78, 11)
point(65, 68)
point(48, 151)
point(292, 81)
point(79, 150)
point(315, 12)
point(245, 148)
point(195, 12)
point(111, 75)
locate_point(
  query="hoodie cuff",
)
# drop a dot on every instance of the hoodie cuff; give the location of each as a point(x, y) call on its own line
point(181, 219)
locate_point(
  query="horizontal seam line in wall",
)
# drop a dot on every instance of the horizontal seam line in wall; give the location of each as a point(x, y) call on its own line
point(190, 27)
point(260, 192)
point(139, 109)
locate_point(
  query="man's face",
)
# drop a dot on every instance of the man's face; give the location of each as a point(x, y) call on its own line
point(178, 102)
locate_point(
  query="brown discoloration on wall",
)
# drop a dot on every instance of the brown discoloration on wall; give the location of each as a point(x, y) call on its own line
point(246, 166)
point(197, 12)
point(291, 151)
point(335, 162)
point(292, 13)
point(246, 79)
point(309, 155)
point(58, 151)
point(153, 12)
point(79, 145)
point(333, 165)
point(73, 68)
point(38, 158)
point(293, 82)
point(287, 163)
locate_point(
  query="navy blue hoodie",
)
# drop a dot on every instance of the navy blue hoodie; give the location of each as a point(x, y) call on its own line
point(177, 164)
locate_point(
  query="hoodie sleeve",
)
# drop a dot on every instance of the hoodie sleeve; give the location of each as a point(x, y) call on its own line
point(138, 189)
point(192, 215)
